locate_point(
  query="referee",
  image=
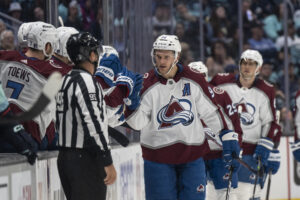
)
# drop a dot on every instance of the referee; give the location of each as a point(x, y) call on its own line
point(84, 160)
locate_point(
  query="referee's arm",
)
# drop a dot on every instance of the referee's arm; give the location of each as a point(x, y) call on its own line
point(90, 100)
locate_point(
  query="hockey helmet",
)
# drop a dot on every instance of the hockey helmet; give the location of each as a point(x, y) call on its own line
point(200, 67)
point(80, 46)
point(252, 55)
point(166, 42)
point(40, 34)
point(63, 34)
point(23, 33)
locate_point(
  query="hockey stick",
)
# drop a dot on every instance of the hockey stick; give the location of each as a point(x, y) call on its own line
point(256, 176)
point(229, 183)
point(118, 136)
point(49, 91)
point(61, 21)
point(270, 172)
point(269, 185)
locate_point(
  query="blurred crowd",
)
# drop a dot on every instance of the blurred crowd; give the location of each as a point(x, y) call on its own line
point(263, 28)
point(84, 15)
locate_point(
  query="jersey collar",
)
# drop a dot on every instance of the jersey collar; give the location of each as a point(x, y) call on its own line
point(237, 77)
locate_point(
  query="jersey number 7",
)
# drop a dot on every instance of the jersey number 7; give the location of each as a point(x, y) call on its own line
point(17, 88)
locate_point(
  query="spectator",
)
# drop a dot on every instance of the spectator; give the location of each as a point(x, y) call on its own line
point(63, 9)
point(293, 81)
point(96, 26)
point(273, 24)
point(296, 19)
point(88, 15)
point(73, 19)
point(186, 56)
point(248, 17)
point(232, 69)
point(280, 41)
point(7, 40)
point(264, 45)
point(2, 26)
point(267, 73)
point(15, 10)
point(220, 23)
point(187, 37)
point(163, 22)
point(295, 48)
point(184, 15)
point(218, 59)
point(39, 14)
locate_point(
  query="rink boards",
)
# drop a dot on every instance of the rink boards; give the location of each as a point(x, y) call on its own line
point(19, 180)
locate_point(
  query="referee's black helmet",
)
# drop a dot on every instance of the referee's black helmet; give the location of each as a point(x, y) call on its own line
point(80, 46)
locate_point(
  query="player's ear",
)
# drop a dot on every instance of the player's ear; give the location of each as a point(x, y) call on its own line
point(93, 56)
point(48, 48)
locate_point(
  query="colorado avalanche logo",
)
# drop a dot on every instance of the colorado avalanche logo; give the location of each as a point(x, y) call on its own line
point(246, 112)
point(200, 188)
point(176, 112)
point(226, 176)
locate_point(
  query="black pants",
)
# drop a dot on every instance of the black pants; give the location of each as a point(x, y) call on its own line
point(81, 175)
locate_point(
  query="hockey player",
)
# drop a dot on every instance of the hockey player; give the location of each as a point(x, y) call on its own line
point(256, 98)
point(14, 133)
point(174, 99)
point(84, 160)
point(61, 56)
point(296, 146)
point(22, 75)
point(218, 174)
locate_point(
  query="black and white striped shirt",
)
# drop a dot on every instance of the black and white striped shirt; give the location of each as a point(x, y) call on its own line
point(81, 116)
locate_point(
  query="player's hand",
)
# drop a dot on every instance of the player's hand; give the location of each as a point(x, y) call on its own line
point(111, 174)
point(263, 149)
point(231, 148)
point(31, 156)
point(296, 150)
point(133, 101)
point(273, 161)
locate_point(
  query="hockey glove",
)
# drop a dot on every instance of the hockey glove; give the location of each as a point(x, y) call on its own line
point(231, 149)
point(133, 101)
point(21, 140)
point(31, 146)
point(126, 78)
point(263, 149)
point(296, 150)
point(109, 67)
point(273, 161)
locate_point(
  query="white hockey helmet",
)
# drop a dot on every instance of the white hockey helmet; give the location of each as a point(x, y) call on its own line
point(200, 67)
point(40, 34)
point(166, 42)
point(23, 33)
point(63, 34)
point(252, 55)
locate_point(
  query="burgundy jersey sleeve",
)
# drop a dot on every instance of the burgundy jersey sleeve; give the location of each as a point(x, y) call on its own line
point(269, 90)
point(230, 110)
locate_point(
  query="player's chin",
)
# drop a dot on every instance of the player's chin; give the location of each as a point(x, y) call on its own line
point(163, 69)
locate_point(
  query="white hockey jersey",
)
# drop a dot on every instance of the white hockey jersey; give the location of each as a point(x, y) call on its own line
point(258, 107)
point(169, 117)
point(297, 117)
point(22, 80)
